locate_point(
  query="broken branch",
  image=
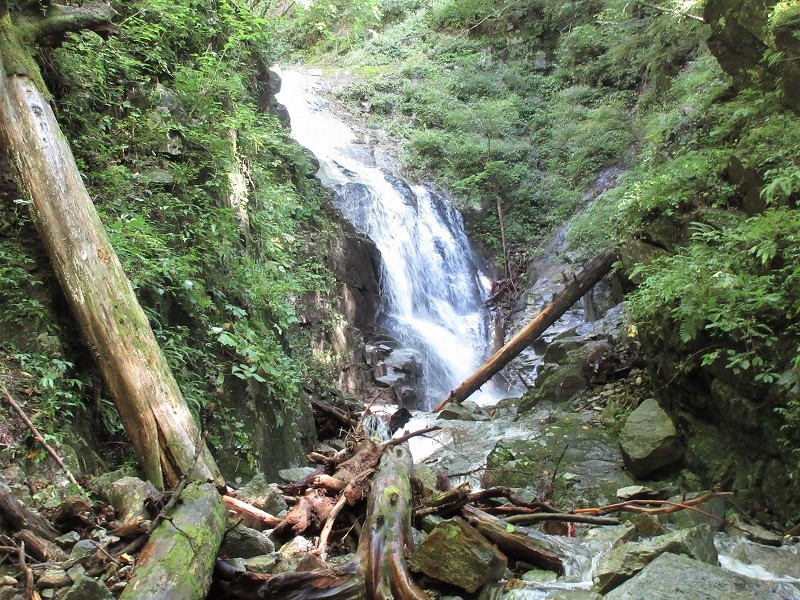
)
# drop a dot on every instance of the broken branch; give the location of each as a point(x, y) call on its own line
point(38, 436)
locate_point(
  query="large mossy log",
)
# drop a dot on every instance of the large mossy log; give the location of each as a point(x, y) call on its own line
point(178, 560)
point(153, 410)
point(581, 283)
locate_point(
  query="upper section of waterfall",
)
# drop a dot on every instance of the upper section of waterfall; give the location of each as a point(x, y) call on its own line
point(433, 285)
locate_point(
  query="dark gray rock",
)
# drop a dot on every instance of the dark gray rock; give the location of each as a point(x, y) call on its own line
point(243, 542)
point(53, 577)
point(625, 561)
point(454, 552)
point(672, 576)
point(259, 493)
point(127, 496)
point(649, 440)
point(295, 474)
point(86, 588)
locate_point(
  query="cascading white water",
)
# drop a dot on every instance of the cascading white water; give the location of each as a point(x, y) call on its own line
point(432, 287)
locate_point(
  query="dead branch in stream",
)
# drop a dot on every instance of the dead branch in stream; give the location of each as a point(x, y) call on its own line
point(664, 506)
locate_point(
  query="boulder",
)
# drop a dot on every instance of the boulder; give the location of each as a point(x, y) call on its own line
point(266, 564)
point(86, 588)
point(127, 495)
point(672, 576)
point(460, 412)
point(457, 554)
point(713, 513)
point(258, 493)
point(781, 562)
point(614, 535)
point(625, 561)
point(649, 440)
point(590, 471)
point(295, 556)
point(243, 542)
point(295, 474)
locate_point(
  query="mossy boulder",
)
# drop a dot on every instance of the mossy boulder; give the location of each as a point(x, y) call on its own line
point(455, 553)
point(589, 473)
point(649, 440)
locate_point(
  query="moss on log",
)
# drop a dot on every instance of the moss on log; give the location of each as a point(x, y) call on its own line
point(178, 560)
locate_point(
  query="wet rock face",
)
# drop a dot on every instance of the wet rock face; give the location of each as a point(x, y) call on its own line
point(340, 320)
point(588, 474)
point(744, 32)
point(672, 576)
point(649, 440)
point(625, 561)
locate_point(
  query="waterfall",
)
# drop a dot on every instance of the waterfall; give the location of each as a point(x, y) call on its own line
point(432, 285)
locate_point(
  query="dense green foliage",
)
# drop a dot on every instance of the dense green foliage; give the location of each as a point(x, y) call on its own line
point(206, 201)
point(526, 102)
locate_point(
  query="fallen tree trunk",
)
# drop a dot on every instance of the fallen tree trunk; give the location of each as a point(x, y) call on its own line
point(153, 410)
point(574, 290)
point(533, 548)
point(18, 517)
point(178, 560)
point(387, 532)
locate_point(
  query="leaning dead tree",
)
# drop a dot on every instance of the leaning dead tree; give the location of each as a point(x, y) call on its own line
point(153, 410)
point(573, 291)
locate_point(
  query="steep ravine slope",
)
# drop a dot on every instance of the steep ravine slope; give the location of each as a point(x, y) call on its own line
point(255, 287)
point(518, 107)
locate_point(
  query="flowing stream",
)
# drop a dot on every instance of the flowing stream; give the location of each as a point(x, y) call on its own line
point(432, 283)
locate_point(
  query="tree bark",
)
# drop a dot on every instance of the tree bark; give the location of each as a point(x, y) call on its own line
point(387, 532)
point(156, 417)
point(515, 542)
point(581, 283)
point(178, 560)
point(18, 517)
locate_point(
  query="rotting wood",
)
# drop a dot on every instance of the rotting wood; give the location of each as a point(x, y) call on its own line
point(153, 410)
point(377, 572)
point(573, 291)
point(18, 517)
point(521, 544)
point(178, 560)
point(250, 511)
point(38, 547)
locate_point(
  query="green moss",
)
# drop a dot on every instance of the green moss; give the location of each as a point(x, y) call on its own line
point(17, 56)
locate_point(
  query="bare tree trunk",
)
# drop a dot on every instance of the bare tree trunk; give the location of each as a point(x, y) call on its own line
point(581, 283)
point(156, 417)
